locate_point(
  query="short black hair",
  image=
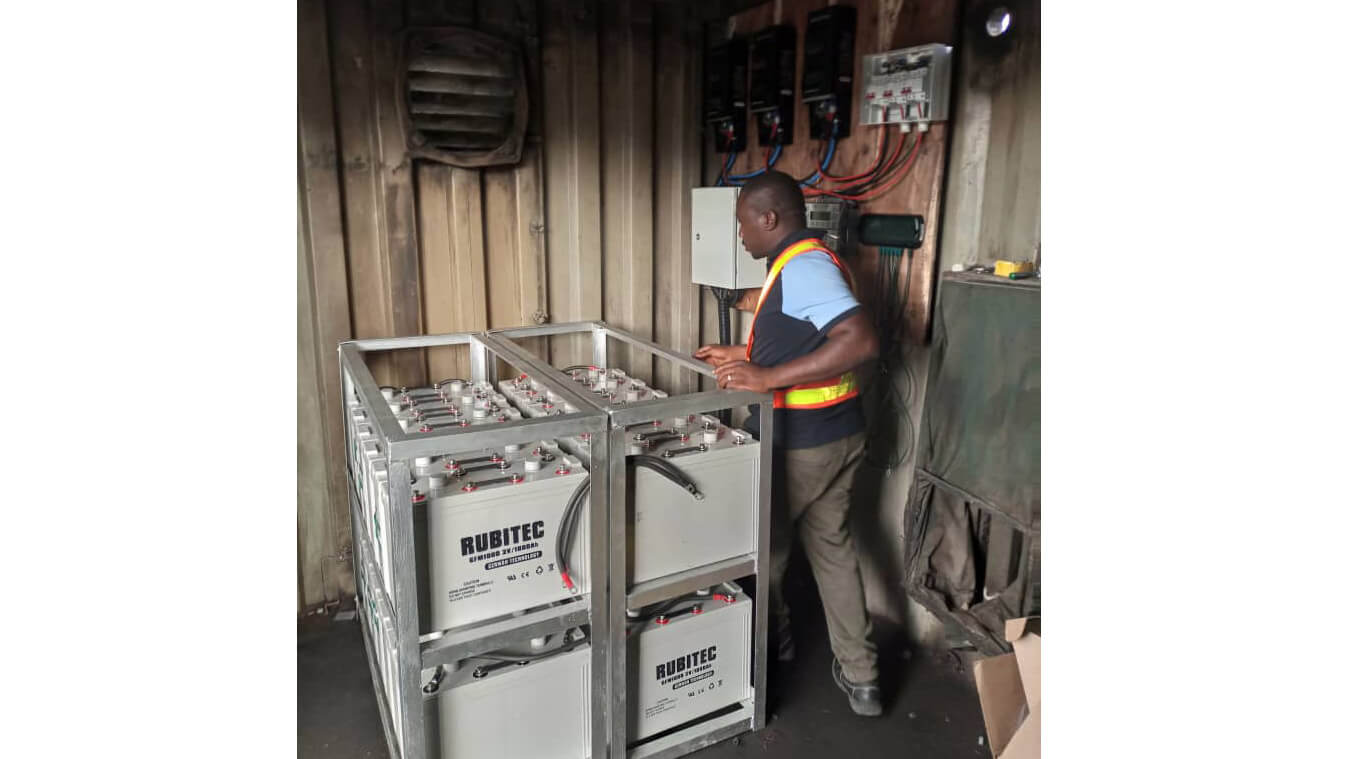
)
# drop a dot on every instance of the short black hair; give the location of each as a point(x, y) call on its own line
point(775, 191)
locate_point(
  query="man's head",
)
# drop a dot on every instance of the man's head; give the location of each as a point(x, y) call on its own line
point(770, 207)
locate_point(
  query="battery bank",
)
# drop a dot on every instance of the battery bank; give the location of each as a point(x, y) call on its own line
point(685, 661)
point(689, 661)
point(427, 409)
point(493, 706)
point(491, 530)
point(672, 530)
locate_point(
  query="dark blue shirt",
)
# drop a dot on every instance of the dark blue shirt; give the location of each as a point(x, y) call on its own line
point(809, 297)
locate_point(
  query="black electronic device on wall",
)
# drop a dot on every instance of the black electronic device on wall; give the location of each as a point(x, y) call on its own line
point(827, 73)
point(893, 231)
point(772, 90)
point(725, 85)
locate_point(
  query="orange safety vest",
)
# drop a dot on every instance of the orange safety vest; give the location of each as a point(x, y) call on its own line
point(811, 394)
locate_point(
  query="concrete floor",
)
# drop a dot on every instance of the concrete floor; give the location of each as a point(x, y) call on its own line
point(932, 709)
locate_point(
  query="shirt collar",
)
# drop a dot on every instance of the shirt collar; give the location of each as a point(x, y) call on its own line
point(802, 234)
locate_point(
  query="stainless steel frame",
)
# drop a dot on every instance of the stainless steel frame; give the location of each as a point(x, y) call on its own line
point(620, 416)
point(400, 449)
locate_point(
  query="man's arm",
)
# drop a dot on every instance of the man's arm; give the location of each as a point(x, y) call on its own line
point(748, 300)
point(852, 342)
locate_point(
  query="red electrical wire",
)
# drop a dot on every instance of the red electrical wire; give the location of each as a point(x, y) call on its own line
point(769, 150)
point(880, 136)
point(889, 163)
point(899, 175)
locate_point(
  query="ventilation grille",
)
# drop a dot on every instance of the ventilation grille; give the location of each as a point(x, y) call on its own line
point(465, 97)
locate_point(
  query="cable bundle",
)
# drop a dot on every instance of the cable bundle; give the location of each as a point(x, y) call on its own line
point(736, 180)
point(887, 170)
point(894, 379)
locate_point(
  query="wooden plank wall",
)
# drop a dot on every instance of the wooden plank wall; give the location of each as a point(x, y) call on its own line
point(324, 319)
point(881, 25)
point(592, 223)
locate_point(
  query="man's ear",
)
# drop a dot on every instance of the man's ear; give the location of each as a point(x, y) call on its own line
point(769, 220)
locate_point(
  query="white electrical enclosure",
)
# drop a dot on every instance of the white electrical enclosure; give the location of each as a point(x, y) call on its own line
point(908, 86)
point(719, 259)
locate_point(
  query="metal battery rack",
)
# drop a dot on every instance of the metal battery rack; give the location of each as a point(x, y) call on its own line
point(388, 606)
point(621, 415)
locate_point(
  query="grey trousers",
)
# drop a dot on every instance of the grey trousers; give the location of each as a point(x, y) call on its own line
point(812, 489)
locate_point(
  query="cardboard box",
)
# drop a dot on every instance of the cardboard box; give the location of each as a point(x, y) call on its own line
point(1009, 693)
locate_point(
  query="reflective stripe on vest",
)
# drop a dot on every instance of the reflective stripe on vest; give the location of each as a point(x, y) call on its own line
point(809, 395)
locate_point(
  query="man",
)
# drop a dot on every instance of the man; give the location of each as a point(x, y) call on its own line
point(807, 336)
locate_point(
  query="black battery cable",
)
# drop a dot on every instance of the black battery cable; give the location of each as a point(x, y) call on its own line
point(572, 511)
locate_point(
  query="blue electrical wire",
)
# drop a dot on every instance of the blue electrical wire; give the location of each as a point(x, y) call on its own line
point(773, 159)
point(730, 161)
point(828, 156)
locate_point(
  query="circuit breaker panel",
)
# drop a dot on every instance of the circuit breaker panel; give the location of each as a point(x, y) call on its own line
point(772, 94)
point(908, 86)
point(826, 77)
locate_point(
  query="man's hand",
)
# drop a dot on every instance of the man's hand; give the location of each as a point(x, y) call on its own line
point(742, 375)
point(716, 355)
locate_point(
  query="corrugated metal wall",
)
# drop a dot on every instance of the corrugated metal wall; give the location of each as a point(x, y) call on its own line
point(593, 223)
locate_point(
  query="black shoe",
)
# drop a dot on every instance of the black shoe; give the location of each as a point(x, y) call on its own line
point(864, 698)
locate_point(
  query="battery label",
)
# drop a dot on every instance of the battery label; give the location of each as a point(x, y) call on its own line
point(514, 560)
point(660, 707)
point(470, 589)
point(690, 681)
